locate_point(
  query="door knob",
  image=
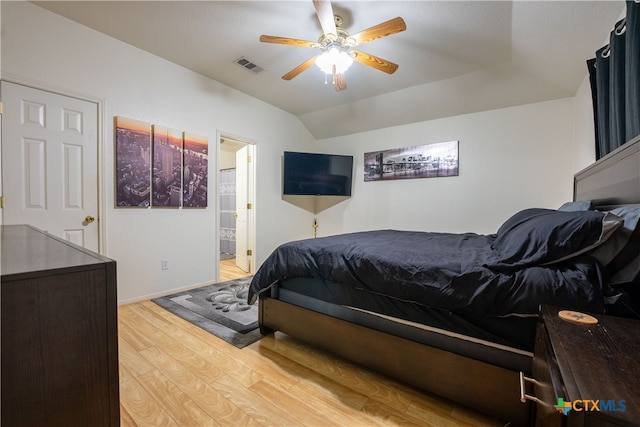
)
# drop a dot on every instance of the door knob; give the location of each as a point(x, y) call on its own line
point(89, 219)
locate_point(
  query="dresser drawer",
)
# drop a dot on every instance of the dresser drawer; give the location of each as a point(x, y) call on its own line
point(548, 381)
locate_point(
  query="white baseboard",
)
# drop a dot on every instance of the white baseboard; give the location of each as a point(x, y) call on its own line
point(164, 293)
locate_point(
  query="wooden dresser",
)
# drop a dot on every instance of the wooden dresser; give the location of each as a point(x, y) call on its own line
point(594, 369)
point(59, 332)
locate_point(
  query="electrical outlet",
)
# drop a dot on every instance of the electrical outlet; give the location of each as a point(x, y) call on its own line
point(165, 264)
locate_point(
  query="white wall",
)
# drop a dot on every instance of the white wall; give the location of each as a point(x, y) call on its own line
point(585, 139)
point(51, 52)
point(227, 159)
point(509, 159)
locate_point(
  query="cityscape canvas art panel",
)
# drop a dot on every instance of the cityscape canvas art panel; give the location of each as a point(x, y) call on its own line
point(420, 161)
point(167, 167)
point(133, 163)
point(196, 170)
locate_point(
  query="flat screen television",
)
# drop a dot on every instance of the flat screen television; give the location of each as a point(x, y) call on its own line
point(312, 174)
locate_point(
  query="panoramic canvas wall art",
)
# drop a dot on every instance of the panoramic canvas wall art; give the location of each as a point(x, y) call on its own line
point(196, 167)
point(160, 167)
point(420, 161)
point(167, 167)
point(133, 163)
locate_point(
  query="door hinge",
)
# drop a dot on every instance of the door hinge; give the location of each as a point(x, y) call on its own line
point(1, 200)
point(1, 108)
point(249, 252)
point(249, 206)
point(249, 159)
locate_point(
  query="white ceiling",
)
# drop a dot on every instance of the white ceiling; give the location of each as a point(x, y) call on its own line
point(455, 57)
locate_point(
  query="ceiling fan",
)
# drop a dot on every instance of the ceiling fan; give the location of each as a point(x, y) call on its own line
point(337, 45)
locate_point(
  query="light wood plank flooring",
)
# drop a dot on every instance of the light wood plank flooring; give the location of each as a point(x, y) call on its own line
point(175, 374)
point(229, 270)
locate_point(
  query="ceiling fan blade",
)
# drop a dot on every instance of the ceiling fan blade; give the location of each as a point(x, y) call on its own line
point(340, 82)
point(384, 29)
point(288, 41)
point(300, 68)
point(324, 10)
point(374, 61)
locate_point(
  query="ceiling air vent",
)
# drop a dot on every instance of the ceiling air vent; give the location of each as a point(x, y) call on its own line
point(245, 63)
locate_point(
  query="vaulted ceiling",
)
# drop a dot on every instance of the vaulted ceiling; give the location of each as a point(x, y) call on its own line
point(455, 57)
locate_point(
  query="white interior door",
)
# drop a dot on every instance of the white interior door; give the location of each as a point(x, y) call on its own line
point(242, 185)
point(50, 163)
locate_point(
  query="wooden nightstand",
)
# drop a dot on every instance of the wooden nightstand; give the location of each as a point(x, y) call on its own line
point(594, 369)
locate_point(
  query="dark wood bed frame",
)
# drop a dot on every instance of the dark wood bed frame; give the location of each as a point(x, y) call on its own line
point(488, 388)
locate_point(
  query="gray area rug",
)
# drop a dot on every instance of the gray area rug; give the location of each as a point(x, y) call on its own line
point(220, 309)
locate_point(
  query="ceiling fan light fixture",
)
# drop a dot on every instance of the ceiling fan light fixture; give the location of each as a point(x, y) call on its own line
point(334, 57)
point(336, 44)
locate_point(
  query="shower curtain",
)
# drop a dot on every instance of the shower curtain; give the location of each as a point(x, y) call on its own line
point(227, 210)
point(614, 75)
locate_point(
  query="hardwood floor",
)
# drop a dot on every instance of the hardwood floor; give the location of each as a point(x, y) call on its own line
point(173, 373)
point(229, 270)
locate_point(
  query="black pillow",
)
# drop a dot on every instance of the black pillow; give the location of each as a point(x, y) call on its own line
point(625, 265)
point(544, 236)
point(583, 205)
point(618, 242)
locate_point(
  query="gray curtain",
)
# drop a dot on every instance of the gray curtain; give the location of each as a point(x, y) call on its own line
point(227, 209)
point(603, 58)
point(615, 78)
point(632, 64)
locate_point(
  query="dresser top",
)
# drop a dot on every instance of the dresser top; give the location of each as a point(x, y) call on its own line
point(26, 250)
point(598, 362)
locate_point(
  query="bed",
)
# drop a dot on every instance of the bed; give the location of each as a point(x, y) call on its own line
point(455, 314)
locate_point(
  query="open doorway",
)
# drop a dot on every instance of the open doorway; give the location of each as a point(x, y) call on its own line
point(236, 232)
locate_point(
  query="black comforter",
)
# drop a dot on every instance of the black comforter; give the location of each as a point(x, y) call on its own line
point(457, 272)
